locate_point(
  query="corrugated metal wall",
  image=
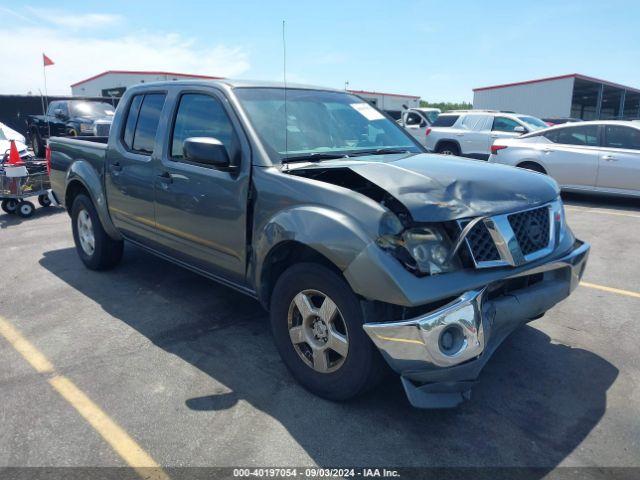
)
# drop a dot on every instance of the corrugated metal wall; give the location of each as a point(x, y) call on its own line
point(15, 108)
point(550, 98)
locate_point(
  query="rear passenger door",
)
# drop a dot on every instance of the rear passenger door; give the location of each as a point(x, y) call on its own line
point(571, 155)
point(201, 211)
point(474, 138)
point(129, 166)
point(620, 158)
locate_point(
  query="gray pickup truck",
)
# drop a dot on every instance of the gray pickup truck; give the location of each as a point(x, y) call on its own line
point(362, 246)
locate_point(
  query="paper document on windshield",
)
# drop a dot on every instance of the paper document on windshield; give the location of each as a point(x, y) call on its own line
point(367, 111)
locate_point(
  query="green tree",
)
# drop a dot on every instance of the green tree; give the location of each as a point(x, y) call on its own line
point(445, 106)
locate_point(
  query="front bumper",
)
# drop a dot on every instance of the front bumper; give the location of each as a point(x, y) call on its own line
point(439, 355)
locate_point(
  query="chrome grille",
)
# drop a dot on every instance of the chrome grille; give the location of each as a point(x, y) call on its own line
point(531, 229)
point(482, 247)
point(102, 128)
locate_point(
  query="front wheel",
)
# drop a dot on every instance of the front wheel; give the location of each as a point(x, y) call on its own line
point(316, 321)
point(37, 145)
point(97, 250)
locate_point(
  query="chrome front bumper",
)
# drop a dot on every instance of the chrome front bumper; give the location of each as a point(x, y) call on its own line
point(439, 355)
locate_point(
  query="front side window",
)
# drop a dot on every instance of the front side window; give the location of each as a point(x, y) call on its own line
point(533, 123)
point(52, 107)
point(504, 124)
point(147, 124)
point(201, 115)
point(616, 136)
point(319, 122)
point(413, 119)
point(583, 135)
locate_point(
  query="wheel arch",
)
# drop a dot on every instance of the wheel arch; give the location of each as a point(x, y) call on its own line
point(528, 163)
point(82, 178)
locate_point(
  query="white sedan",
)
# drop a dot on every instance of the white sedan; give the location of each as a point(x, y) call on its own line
point(598, 156)
point(7, 134)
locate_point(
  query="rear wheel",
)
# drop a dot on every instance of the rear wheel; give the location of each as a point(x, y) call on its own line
point(44, 200)
point(10, 205)
point(37, 145)
point(316, 321)
point(97, 250)
point(448, 148)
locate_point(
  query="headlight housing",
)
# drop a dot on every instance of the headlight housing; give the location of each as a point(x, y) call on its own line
point(86, 128)
point(422, 250)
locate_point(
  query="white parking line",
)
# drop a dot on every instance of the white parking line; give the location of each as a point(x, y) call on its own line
point(599, 210)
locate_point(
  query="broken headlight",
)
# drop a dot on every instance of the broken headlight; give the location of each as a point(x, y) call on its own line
point(422, 250)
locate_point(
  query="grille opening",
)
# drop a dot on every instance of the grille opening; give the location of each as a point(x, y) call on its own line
point(531, 229)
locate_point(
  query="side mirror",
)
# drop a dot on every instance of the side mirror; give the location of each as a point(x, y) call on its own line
point(58, 113)
point(520, 129)
point(207, 151)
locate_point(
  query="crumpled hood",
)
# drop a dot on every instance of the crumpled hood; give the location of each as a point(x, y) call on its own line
point(436, 188)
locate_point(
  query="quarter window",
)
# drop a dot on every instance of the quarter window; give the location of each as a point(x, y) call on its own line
point(202, 116)
point(616, 136)
point(584, 135)
point(504, 124)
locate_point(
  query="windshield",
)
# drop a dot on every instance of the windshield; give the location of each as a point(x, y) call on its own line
point(533, 123)
point(319, 123)
point(91, 109)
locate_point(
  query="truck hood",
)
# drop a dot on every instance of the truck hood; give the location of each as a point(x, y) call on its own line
point(436, 188)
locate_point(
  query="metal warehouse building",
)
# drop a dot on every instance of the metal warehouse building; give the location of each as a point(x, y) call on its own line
point(392, 103)
point(573, 95)
point(113, 83)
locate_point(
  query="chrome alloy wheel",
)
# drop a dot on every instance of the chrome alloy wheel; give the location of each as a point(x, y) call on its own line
point(318, 331)
point(85, 233)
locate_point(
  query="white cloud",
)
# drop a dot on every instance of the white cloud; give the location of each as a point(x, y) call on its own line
point(78, 55)
point(74, 20)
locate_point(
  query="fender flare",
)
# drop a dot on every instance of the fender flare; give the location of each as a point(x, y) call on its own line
point(83, 172)
point(334, 235)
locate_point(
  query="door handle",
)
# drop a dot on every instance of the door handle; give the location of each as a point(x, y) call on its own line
point(459, 134)
point(494, 135)
point(547, 150)
point(609, 158)
point(116, 167)
point(166, 178)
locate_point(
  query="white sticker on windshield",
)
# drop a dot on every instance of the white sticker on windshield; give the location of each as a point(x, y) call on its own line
point(367, 111)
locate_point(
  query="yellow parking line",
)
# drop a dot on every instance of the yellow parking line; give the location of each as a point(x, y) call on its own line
point(619, 291)
point(598, 210)
point(125, 446)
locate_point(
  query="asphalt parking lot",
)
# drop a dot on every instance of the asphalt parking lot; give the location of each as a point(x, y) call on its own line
point(162, 365)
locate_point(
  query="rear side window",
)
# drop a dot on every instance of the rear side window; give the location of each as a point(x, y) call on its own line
point(132, 118)
point(616, 136)
point(586, 135)
point(142, 122)
point(474, 122)
point(202, 115)
point(446, 120)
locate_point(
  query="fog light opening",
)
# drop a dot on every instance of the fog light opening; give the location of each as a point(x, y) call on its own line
point(451, 340)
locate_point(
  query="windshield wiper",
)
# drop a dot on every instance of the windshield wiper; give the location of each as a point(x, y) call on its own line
point(379, 151)
point(313, 157)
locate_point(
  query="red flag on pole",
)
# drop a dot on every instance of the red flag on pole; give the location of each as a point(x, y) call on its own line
point(46, 61)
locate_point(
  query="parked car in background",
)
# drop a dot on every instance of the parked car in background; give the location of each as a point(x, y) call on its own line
point(5, 144)
point(69, 118)
point(598, 156)
point(417, 120)
point(11, 134)
point(470, 133)
point(362, 246)
point(559, 121)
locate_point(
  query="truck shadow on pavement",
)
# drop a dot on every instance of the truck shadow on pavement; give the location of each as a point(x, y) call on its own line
point(536, 401)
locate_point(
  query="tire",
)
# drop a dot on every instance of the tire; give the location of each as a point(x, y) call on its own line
point(448, 148)
point(105, 252)
point(25, 209)
point(37, 145)
point(349, 376)
point(44, 200)
point(10, 205)
point(535, 167)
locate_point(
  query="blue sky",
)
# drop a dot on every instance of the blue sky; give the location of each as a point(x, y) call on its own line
point(438, 50)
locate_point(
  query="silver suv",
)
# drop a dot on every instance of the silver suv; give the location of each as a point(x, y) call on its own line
point(470, 133)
